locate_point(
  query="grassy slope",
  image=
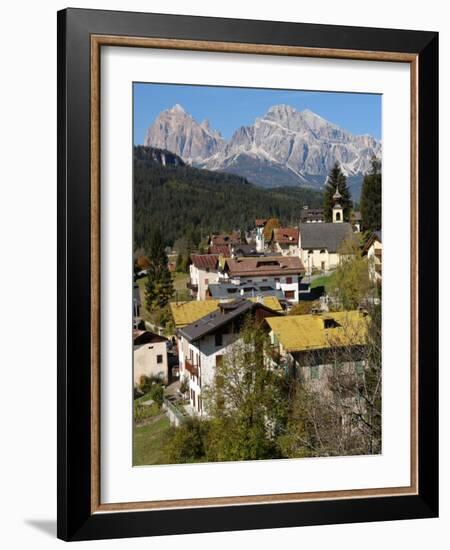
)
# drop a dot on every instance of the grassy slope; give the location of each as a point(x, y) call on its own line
point(326, 281)
point(147, 442)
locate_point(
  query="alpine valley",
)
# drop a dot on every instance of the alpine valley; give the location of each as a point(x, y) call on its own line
point(285, 147)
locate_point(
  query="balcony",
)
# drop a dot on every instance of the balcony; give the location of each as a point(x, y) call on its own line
point(193, 369)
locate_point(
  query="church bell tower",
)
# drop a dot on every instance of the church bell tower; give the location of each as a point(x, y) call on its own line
point(338, 211)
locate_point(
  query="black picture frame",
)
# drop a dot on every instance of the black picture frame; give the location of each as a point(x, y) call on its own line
point(75, 518)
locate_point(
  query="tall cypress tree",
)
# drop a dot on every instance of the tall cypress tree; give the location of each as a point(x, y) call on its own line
point(159, 286)
point(371, 198)
point(336, 179)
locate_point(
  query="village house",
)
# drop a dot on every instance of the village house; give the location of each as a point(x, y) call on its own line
point(373, 249)
point(311, 345)
point(311, 215)
point(220, 239)
point(203, 270)
point(356, 220)
point(280, 272)
point(185, 313)
point(228, 291)
point(204, 343)
point(149, 356)
point(284, 240)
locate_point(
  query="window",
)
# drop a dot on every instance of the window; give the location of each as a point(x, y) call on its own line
point(330, 323)
point(338, 216)
point(315, 372)
point(277, 279)
point(159, 359)
point(322, 251)
point(218, 339)
point(310, 251)
point(289, 294)
point(288, 280)
point(219, 360)
point(206, 282)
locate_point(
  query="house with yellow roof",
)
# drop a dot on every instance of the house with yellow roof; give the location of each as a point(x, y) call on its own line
point(205, 342)
point(311, 345)
point(185, 313)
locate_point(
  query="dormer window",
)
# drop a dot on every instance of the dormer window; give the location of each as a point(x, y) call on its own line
point(329, 322)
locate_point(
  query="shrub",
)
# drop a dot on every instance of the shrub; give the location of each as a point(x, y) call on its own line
point(147, 382)
point(185, 443)
point(157, 393)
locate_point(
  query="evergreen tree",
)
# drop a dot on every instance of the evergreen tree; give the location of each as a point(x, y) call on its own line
point(159, 286)
point(336, 179)
point(371, 198)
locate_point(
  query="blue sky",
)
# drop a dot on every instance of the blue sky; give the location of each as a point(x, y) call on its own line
point(229, 108)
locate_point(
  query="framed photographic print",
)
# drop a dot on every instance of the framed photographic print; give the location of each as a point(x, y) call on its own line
point(247, 274)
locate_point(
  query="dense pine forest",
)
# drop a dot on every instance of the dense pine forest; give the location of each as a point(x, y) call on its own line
point(177, 199)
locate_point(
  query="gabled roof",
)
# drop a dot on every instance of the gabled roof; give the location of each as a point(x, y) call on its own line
point(146, 337)
point(264, 266)
point(308, 332)
point(222, 316)
point(312, 214)
point(233, 237)
point(185, 313)
point(375, 236)
point(285, 235)
point(223, 249)
point(205, 261)
point(329, 236)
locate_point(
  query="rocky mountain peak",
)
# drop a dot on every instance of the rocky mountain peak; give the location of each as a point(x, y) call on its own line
point(297, 147)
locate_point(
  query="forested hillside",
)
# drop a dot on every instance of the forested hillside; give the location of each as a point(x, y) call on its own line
point(180, 199)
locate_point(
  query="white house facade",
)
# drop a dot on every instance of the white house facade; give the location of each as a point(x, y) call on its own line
point(149, 356)
point(204, 344)
point(203, 271)
point(281, 272)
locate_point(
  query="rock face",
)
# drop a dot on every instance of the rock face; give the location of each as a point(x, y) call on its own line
point(284, 147)
point(176, 131)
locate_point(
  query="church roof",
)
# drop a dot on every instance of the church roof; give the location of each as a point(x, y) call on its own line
point(324, 235)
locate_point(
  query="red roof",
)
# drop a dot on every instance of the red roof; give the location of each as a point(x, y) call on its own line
point(223, 249)
point(205, 261)
point(269, 266)
point(285, 235)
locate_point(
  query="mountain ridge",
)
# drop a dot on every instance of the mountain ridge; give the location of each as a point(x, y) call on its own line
point(283, 147)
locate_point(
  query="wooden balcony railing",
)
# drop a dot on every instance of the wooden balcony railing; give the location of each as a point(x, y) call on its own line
point(193, 369)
